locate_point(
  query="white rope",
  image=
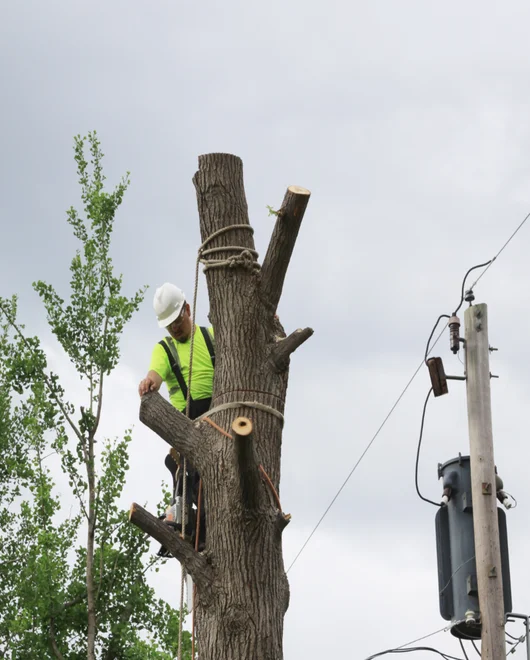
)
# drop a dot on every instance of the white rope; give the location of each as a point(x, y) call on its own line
point(246, 257)
point(239, 404)
point(184, 463)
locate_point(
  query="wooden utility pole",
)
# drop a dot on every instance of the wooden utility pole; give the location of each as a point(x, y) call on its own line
point(485, 516)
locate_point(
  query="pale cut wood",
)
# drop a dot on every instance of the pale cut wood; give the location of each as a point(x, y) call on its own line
point(485, 517)
point(242, 426)
point(282, 243)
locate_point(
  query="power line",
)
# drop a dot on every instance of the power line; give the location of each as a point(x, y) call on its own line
point(500, 252)
point(429, 348)
point(463, 649)
point(446, 656)
point(361, 457)
point(403, 649)
point(420, 639)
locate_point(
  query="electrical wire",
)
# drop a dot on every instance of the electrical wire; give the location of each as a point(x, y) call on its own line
point(425, 499)
point(463, 649)
point(513, 637)
point(487, 263)
point(500, 252)
point(359, 460)
point(455, 572)
point(427, 348)
point(420, 639)
point(427, 351)
point(488, 266)
point(403, 392)
point(476, 648)
point(446, 656)
point(446, 316)
point(520, 641)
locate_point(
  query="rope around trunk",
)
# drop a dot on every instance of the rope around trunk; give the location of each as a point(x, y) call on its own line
point(239, 404)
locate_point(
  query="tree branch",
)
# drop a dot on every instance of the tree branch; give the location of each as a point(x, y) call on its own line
point(194, 562)
point(72, 603)
point(282, 520)
point(281, 353)
point(47, 379)
point(282, 242)
point(248, 465)
point(172, 426)
point(53, 641)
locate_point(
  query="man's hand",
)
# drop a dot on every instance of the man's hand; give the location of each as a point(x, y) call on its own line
point(151, 383)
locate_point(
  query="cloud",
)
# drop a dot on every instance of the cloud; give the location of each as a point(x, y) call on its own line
point(409, 125)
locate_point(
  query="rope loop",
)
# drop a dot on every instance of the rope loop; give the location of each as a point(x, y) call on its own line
point(239, 404)
point(246, 257)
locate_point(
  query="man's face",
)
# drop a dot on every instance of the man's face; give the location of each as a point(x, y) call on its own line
point(180, 329)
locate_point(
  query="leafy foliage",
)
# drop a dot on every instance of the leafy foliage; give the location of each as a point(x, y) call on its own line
point(60, 597)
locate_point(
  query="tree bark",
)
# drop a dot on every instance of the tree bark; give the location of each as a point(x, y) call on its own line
point(196, 564)
point(241, 604)
point(91, 602)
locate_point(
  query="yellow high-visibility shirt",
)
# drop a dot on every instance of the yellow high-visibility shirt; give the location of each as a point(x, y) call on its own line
point(202, 374)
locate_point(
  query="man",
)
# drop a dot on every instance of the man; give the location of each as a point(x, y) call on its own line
point(170, 363)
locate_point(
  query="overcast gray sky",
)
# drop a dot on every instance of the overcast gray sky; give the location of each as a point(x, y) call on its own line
point(409, 123)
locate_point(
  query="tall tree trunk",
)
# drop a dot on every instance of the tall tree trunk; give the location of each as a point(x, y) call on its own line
point(91, 600)
point(242, 588)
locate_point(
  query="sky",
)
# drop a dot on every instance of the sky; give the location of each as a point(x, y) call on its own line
point(409, 124)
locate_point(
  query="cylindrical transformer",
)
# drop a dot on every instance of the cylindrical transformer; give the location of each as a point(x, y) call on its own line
point(455, 546)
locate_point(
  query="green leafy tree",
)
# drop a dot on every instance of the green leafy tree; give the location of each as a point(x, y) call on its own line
point(73, 586)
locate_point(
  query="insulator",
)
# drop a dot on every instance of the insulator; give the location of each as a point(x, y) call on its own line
point(469, 296)
point(454, 333)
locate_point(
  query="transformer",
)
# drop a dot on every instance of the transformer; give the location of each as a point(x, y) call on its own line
point(455, 548)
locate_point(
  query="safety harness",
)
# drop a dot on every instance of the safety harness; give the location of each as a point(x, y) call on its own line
point(174, 362)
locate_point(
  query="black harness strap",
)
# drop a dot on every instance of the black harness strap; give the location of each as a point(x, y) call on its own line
point(209, 344)
point(175, 367)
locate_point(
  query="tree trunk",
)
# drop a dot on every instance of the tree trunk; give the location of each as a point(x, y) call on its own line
point(91, 602)
point(242, 589)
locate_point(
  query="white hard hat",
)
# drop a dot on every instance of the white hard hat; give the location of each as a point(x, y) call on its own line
point(168, 303)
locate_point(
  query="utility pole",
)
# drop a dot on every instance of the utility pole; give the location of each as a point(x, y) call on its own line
point(483, 488)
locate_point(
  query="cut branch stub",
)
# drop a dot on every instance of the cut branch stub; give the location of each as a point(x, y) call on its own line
point(171, 425)
point(242, 426)
point(281, 352)
point(248, 464)
point(195, 563)
point(282, 243)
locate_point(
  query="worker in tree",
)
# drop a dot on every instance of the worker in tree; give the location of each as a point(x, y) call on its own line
point(170, 362)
